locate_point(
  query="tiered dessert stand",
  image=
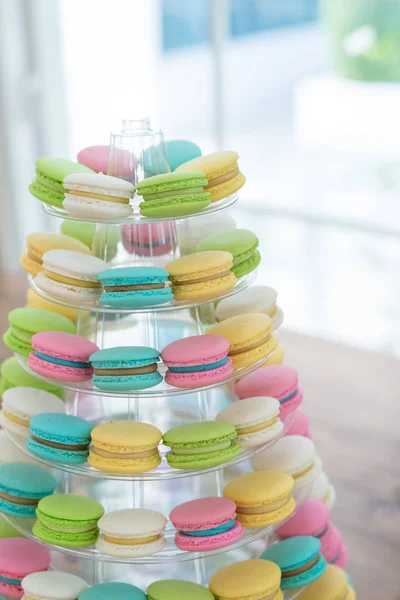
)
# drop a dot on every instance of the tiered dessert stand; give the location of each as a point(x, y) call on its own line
point(163, 406)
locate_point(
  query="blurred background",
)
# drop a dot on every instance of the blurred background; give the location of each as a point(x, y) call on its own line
point(307, 92)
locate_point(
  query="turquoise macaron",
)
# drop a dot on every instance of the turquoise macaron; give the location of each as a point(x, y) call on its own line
point(113, 591)
point(126, 368)
point(177, 589)
point(22, 485)
point(180, 151)
point(48, 183)
point(173, 194)
point(241, 243)
point(135, 287)
point(300, 560)
point(60, 438)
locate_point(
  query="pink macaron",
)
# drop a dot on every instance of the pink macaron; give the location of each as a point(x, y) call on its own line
point(206, 524)
point(341, 559)
point(331, 544)
point(61, 356)
point(197, 361)
point(152, 239)
point(299, 425)
point(20, 557)
point(278, 381)
point(121, 163)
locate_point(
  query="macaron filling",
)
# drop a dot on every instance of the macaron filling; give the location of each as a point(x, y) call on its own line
point(37, 258)
point(179, 192)
point(137, 287)
point(49, 182)
point(125, 455)
point(288, 397)
point(189, 282)
point(61, 361)
point(214, 531)
point(294, 571)
point(202, 449)
point(59, 445)
point(131, 541)
point(83, 283)
point(263, 509)
point(257, 427)
point(121, 197)
point(21, 334)
point(19, 499)
point(212, 182)
point(15, 418)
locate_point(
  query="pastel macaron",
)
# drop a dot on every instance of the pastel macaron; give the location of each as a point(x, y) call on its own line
point(149, 239)
point(34, 300)
point(71, 276)
point(97, 196)
point(48, 183)
point(206, 524)
point(241, 243)
point(131, 533)
point(192, 231)
point(180, 151)
point(38, 244)
point(22, 485)
point(253, 579)
point(201, 445)
point(256, 420)
point(135, 287)
point(95, 157)
point(68, 520)
point(250, 339)
point(125, 447)
point(115, 590)
point(299, 559)
point(84, 231)
point(255, 299)
point(53, 585)
point(24, 323)
point(323, 490)
point(176, 589)
point(173, 194)
point(300, 425)
point(197, 361)
point(262, 498)
point(18, 558)
point(293, 454)
point(332, 585)
point(12, 374)
point(62, 356)
point(126, 368)
point(278, 381)
point(201, 276)
point(222, 172)
point(20, 404)
point(60, 438)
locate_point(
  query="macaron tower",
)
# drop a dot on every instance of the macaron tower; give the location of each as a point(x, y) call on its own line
point(149, 423)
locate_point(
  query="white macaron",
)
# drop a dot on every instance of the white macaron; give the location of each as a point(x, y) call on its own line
point(255, 299)
point(293, 454)
point(323, 490)
point(53, 585)
point(20, 404)
point(71, 276)
point(131, 533)
point(256, 420)
point(97, 196)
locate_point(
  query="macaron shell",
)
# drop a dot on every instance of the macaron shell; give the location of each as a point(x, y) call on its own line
point(209, 542)
point(203, 513)
point(310, 519)
point(332, 585)
point(270, 518)
point(29, 265)
point(65, 540)
point(196, 379)
point(258, 438)
point(277, 357)
point(207, 290)
point(124, 466)
point(46, 195)
point(127, 383)
point(33, 300)
point(289, 406)
point(180, 151)
point(133, 551)
point(253, 579)
point(58, 455)
point(203, 461)
point(299, 425)
point(176, 589)
point(85, 207)
point(63, 586)
point(15, 344)
point(137, 299)
point(66, 291)
point(273, 380)
point(331, 543)
point(343, 557)
point(175, 206)
point(223, 190)
point(13, 375)
point(248, 265)
point(250, 357)
point(57, 372)
point(304, 579)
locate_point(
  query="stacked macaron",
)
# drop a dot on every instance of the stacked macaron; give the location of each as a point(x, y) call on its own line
point(206, 524)
point(250, 340)
point(255, 299)
point(22, 486)
point(197, 361)
point(202, 276)
point(323, 490)
point(241, 243)
point(68, 520)
point(278, 381)
point(71, 276)
point(312, 519)
point(126, 368)
point(37, 244)
point(12, 374)
point(135, 287)
point(201, 445)
point(50, 172)
point(18, 559)
point(61, 356)
point(97, 196)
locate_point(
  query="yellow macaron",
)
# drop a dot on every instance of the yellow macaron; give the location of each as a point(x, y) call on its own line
point(221, 170)
point(332, 585)
point(125, 447)
point(254, 579)
point(201, 276)
point(249, 336)
point(262, 498)
point(38, 244)
point(277, 357)
point(33, 300)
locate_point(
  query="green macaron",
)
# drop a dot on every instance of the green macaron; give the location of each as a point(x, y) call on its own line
point(241, 243)
point(105, 237)
point(13, 375)
point(177, 589)
point(201, 445)
point(25, 322)
point(6, 530)
point(80, 230)
point(173, 194)
point(68, 520)
point(50, 172)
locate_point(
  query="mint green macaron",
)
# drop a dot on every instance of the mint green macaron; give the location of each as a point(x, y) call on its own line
point(173, 194)
point(25, 322)
point(241, 243)
point(201, 445)
point(50, 172)
point(13, 375)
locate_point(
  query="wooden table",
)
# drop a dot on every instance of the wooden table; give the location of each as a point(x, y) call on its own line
point(352, 399)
